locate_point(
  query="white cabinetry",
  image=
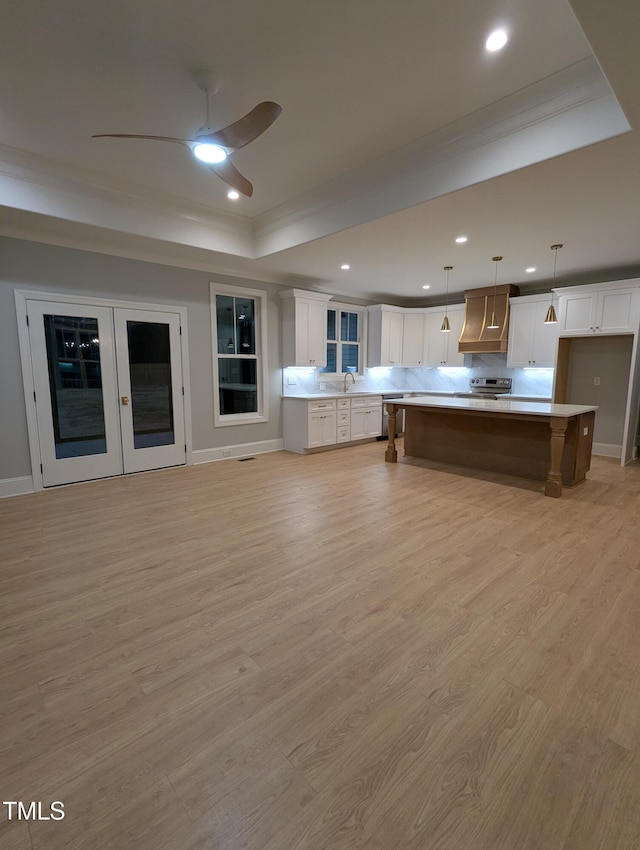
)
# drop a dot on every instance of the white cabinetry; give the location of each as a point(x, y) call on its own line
point(413, 338)
point(309, 424)
point(343, 427)
point(386, 326)
point(304, 328)
point(321, 423)
point(531, 342)
point(442, 347)
point(321, 429)
point(599, 309)
point(366, 417)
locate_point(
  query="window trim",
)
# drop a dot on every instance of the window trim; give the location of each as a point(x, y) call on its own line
point(362, 341)
point(262, 368)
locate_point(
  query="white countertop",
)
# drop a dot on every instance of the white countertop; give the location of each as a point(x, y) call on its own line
point(307, 396)
point(406, 394)
point(535, 408)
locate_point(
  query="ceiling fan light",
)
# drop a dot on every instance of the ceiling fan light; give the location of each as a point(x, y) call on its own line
point(209, 153)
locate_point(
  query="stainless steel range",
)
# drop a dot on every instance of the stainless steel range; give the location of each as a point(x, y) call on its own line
point(486, 388)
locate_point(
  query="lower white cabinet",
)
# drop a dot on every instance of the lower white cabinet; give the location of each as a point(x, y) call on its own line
point(318, 423)
point(321, 429)
point(366, 417)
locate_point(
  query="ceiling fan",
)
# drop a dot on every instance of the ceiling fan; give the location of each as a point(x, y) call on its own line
point(216, 146)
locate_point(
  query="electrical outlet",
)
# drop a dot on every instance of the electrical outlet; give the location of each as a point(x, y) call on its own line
point(226, 452)
point(291, 380)
point(596, 382)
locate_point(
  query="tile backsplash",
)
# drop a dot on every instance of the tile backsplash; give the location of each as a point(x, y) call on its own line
point(527, 382)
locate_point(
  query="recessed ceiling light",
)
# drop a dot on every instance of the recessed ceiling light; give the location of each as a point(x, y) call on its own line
point(461, 239)
point(233, 195)
point(426, 286)
point(345, 267)
point(496, 41)
point(530, 270)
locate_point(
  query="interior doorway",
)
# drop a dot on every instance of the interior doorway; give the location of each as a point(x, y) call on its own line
point(105, 388)
point(597, 370)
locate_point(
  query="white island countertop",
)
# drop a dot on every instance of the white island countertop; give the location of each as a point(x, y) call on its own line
point(531, 408)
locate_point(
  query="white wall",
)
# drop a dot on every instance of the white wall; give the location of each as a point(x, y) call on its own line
point(32, 265)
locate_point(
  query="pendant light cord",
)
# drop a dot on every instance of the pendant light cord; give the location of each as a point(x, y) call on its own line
point(494, 324)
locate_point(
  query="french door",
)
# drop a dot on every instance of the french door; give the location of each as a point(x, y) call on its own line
point(108, 390)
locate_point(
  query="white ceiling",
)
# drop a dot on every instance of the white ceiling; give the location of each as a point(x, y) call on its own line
point(398, 133)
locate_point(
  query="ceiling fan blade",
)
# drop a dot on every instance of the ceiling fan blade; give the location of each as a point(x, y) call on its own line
point(246, 129)
point(229, 173)
point(130, 136)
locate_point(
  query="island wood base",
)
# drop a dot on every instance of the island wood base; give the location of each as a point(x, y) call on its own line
point(553, 449)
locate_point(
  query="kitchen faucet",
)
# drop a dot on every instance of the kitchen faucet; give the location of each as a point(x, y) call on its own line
point(348, 375)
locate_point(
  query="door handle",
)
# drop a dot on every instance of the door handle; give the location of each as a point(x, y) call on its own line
point(124, 400)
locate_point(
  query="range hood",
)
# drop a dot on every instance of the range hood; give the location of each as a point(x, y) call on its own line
point(476, 337)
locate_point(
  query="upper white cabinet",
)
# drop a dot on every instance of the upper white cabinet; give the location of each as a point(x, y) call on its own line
point(413, 339)
point(441, 347)
point(599, 309)
point(304, 328)
point(386, 330)
point(531, 342)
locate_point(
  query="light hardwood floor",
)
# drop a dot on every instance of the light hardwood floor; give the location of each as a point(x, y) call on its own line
point(323, 652)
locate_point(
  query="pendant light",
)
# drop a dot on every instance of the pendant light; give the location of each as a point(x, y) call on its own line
point(446, 327)
point(493, 325)
point(551, 318)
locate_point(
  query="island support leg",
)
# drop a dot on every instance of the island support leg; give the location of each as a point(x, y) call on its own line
point(391, 455)
point(553, 484)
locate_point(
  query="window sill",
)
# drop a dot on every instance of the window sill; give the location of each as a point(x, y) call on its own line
point(239, 419)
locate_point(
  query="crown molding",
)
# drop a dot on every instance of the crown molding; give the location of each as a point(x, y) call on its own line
point(32, 183)
point(570, 109)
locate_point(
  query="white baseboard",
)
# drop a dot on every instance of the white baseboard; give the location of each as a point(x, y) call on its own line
point(16, 486)
point(19, 486)
point(607, 450)
point(240, 450)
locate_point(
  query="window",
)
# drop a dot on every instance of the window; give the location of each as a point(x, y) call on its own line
point(238, 318)
point(345, 325)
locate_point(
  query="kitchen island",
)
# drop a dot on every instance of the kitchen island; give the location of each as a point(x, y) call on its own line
point(543, 441)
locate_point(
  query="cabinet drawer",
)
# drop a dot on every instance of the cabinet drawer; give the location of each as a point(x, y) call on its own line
point(366, 401)
point(344, 417)
point(344, 403)
point(323, 404)
point(344, 434)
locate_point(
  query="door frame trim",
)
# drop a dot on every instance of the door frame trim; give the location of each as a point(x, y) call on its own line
point(24, 295)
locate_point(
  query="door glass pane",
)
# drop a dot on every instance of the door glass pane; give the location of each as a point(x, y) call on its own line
point(151, 393)
point(349, 358)
point(237, 385)
point(75, 385)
